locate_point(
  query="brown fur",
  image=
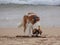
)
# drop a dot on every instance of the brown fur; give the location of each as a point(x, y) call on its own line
point(25, 21)
point(30, 19)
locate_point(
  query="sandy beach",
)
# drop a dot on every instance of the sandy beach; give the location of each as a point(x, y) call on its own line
point(11, 15)
point(49, 31)
point(8, 37)
point(30, 41)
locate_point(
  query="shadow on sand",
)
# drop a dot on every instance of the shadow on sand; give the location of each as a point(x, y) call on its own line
point(23, 37)
point(31, 36)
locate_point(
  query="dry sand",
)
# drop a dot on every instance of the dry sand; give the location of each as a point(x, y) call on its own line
point(8, 37)
point(29, 41)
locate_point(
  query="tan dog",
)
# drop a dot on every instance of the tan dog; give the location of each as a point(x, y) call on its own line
point(29, 17)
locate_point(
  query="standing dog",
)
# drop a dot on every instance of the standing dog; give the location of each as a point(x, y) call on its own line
point(29, 18)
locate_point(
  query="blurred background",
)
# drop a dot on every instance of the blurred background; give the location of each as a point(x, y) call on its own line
point(11, 15)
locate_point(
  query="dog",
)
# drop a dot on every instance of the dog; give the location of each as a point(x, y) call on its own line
point(25, 21)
